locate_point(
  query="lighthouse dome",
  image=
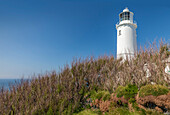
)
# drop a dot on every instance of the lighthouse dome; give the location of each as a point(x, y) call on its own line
point(126, 10)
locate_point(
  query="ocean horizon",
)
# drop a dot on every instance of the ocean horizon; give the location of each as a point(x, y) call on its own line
point(5, 83)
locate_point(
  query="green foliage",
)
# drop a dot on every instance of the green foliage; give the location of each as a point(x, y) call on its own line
point(153, 112)
point(154, 90)
point(39, 112)
point(81, 92)
point(131, 100)
point(163, 49)
point(86, 112)
point(78, 107)
point(125, 111)
point(99, 95)
point(137, 109)
point(59, 88)
point(12, 112)
point(112, 106)
point(128, 92)
point(106, 96)
point(120, 91)
point(68, 110)
point(88, 106)
point(93, 94)
point(120, 111)
point(50, 111)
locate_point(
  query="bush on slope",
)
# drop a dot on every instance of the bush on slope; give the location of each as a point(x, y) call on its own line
point(64, 92)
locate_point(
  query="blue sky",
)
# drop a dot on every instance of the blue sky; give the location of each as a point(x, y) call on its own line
point(37, 36)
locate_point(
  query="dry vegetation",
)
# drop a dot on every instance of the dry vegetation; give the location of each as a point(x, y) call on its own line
point(66, 92)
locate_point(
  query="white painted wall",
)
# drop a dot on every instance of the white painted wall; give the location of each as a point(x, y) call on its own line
point(167, 69)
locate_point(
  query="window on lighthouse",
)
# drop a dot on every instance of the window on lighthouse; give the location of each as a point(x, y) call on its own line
point(119, 32)
point(125, 16)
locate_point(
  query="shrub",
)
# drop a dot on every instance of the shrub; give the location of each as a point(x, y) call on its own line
point(93, 94)
point(154, 90)
point(88, 106)
point(100, 94)
point(71, 84)
point(50, 111)
point(128, 92)
point(137, 109)
point(120, 91)
point(86, 112)
point(131, 100)
point(153, 112)
point(125, 111)
point(81, 92)
point(120, 111)
point(39, 112)
point(106, 96)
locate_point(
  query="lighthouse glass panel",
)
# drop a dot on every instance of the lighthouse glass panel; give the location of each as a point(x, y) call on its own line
point(124, 16)
point(120, 17)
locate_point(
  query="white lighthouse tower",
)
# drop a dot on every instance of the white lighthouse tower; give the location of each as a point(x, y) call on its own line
point(126, 35)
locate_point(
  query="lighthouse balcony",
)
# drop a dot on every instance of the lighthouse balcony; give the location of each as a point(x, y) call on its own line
point(124, 22)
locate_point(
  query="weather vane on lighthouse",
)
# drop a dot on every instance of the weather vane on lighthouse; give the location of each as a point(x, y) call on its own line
point(126, 35)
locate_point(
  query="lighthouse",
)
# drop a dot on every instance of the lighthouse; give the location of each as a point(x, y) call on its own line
point(126, 35)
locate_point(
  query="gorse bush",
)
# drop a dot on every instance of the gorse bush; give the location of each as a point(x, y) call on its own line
point(107, 96)
point(128, 92)
point(99, 95)
point(104, 95)
point(120, 91)
point(87, 112)
point(120, 111)
point(67, 91)
point(154, 90)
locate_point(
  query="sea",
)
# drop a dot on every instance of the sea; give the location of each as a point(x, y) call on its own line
point(6, 82)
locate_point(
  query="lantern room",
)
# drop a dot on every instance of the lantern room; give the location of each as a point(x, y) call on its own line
point(126, 16)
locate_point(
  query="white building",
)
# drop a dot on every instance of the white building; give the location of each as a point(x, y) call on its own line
point(167, 68)
point(126, 35)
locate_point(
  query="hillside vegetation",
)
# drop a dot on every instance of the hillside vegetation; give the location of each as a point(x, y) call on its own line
point(93, 86)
